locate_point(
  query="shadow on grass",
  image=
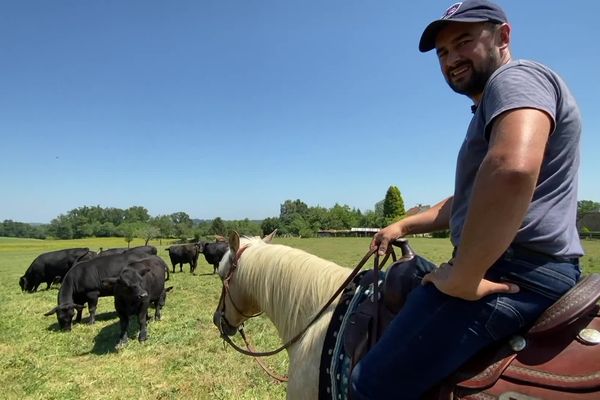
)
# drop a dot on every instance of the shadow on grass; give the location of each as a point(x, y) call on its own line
point(105, 341)
point(99, 317)
point(206, 274)
point(107, 338)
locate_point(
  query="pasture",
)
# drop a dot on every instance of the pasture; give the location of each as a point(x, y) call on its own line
point(183, 357)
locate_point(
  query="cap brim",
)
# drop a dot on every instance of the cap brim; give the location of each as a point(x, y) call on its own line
point(430, 33)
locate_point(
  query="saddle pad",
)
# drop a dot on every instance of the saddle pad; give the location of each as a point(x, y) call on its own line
point(334, 372)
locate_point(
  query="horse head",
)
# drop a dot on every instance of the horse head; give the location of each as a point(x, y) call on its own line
point(236, 304)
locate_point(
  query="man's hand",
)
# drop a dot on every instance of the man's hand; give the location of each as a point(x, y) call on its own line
point(381, 240)
point(448, 281)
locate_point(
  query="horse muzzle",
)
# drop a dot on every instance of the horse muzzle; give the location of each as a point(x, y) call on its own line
point(224, 326)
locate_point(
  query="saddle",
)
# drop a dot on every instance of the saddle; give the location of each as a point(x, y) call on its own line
point(557, 358)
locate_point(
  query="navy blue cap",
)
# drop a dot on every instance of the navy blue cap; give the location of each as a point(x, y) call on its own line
point(464, 11)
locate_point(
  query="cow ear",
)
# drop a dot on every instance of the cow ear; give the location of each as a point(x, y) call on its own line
point(53, 311)
point(269, 237)
point(108, 283)
point(234, 242)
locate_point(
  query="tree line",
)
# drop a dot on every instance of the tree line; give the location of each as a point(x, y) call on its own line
point(296, 218)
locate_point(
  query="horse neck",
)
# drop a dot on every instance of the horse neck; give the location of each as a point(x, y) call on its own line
point(290, 285)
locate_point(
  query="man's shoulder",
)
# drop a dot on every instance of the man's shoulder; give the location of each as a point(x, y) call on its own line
point(521, 67)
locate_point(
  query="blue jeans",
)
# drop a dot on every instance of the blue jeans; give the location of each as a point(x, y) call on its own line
point(434, 333)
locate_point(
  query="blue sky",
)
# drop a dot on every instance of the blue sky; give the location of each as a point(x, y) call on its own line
point(228, 108)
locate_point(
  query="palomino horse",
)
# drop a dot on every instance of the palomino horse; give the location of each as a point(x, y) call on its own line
point(291, 286)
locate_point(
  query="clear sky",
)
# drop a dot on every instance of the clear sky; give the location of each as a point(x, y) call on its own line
point(228, 108)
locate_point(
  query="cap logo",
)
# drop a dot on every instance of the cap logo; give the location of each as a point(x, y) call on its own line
point(451, 10)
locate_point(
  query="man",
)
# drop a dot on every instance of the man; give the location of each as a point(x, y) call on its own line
point(511, 218)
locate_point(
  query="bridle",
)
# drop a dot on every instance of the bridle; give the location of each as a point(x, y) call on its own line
point(250, 351)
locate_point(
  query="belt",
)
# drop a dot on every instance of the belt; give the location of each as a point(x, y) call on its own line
point(523, 252)
point(519, 251)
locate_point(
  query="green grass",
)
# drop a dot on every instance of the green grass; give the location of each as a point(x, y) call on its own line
point(183, 357)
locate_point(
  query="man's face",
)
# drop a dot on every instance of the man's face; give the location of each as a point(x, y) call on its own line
point(468, 54)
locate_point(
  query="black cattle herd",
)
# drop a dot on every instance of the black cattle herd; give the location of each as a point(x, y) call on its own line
point(134, 276)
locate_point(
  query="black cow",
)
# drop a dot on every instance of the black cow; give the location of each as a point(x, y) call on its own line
point(138, 285)
point(52, 266)
point(184, 254)
point(151, 250)
point(213, 252)
point(83, 284)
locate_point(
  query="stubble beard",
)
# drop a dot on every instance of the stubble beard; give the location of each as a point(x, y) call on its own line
point(479, 76)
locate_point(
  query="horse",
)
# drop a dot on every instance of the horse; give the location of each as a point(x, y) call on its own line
point(290, 286)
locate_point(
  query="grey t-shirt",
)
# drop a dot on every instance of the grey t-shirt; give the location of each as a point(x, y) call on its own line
point(549, 226)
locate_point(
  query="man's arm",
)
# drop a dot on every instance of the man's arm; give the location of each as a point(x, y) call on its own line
point(502, 192)
point(434, 219)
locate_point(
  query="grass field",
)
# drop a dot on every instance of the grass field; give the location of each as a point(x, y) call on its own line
point(183, 357)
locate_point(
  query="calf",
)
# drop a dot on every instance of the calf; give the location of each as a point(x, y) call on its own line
point(184, 254)
point(138, 285)
point(52, 266)
point(83, 284)
point(213, 252)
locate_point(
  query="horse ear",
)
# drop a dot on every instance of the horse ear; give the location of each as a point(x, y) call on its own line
point(234, 241)
point(269, 237)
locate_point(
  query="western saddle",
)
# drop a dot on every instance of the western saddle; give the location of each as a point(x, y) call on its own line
point(557, 358)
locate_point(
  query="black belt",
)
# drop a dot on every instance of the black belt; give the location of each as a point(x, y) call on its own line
point(519, 251)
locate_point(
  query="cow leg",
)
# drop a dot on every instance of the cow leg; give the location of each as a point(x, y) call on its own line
point(160, 303)
point(215, 268)
point(92, 305)
point(174, 264)
point(124, 323)
point(78, 316)
point(143, 318)
point(180, 267)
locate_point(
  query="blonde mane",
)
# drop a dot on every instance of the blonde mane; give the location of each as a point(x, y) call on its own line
point(290, 284)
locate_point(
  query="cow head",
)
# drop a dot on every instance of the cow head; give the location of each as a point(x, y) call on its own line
point(23, 283)
point(129, 283)
point(64, 314)
point(27, 285)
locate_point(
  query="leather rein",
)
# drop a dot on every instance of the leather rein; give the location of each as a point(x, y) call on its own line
point(250, 349)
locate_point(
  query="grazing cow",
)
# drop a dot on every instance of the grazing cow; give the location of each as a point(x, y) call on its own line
point(184, 254)
point(151, 250)
point(138, 285)
point(52, 266)
point(213, 252)
point(83, 284)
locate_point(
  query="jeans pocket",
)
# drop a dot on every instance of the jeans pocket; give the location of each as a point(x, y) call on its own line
point(504, 319)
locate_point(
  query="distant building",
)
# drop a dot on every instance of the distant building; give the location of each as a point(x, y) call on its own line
point(352, 232)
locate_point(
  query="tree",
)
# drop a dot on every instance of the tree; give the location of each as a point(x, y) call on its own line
point(217, 227)
point(137, 214)
point(165, 225)
point(60, 228)
point(127, 230)
point(268, 225)
point(586, 207)
point(147, 232)
point(393, 205)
